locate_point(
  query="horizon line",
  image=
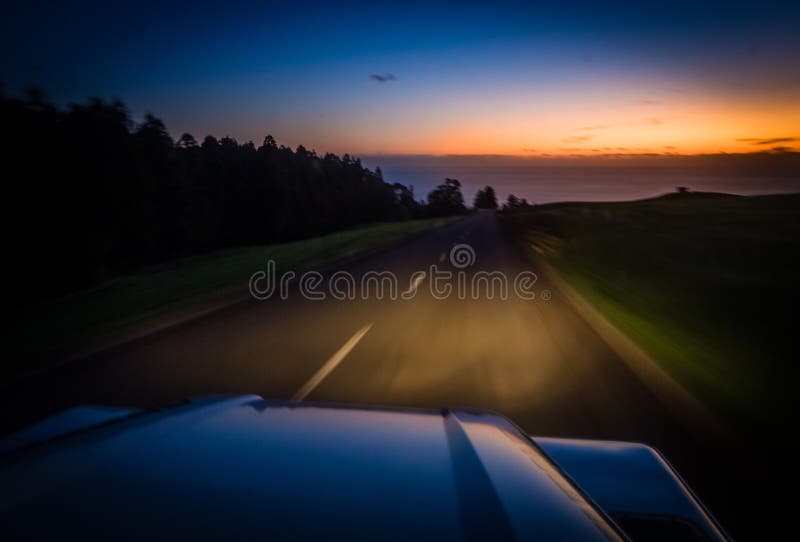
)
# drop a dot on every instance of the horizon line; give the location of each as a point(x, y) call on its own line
point(773, 152)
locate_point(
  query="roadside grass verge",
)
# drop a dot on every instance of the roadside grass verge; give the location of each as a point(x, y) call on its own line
point(706, 284)
point(53, 329)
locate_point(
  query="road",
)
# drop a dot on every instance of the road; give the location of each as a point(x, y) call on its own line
point(536, 361)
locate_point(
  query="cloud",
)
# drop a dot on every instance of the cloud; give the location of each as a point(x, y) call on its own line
point(576, 139)
point(528, 149)
point(778, 140)
point(383, 78)
point(650, 121)
point(769, 140)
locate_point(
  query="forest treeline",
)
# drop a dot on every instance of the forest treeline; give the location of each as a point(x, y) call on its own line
point(89, 194)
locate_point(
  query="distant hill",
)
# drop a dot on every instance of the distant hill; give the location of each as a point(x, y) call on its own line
point(692, 195)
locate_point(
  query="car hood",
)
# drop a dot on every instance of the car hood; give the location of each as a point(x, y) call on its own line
point(244, 467)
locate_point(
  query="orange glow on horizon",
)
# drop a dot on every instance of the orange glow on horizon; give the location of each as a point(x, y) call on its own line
point(572, 124)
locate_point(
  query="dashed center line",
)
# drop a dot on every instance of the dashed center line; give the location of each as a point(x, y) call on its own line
point(331, 364)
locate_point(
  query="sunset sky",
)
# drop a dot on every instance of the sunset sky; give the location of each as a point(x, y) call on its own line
point(493, 78)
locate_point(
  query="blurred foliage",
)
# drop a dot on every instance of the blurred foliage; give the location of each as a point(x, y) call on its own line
point(704, 282)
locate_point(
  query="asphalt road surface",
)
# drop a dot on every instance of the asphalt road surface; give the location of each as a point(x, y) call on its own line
point(535, 361)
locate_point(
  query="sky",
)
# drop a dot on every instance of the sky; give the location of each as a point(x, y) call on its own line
point(529, 79)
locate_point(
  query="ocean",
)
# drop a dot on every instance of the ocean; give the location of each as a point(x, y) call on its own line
point(540, 182)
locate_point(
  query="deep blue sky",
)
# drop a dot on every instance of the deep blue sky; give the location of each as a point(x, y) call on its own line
point(509, 78)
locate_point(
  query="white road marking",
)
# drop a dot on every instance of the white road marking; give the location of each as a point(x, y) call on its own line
point(331, 364)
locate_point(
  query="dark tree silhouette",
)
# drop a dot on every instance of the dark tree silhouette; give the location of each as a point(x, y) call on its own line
point(405, 196)
point(446, 199)
point(485, 199)
point(187, 141)
point(513, 203)
point(89, 194)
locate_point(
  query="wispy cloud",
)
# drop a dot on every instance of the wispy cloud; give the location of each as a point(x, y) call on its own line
point(576, 139)
point(613, 149)
point(650, 121)
point(769, 140)
point(383, 78)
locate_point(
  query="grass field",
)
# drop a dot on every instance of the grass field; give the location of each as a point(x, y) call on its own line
point(129, 300)
point(705, 283)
